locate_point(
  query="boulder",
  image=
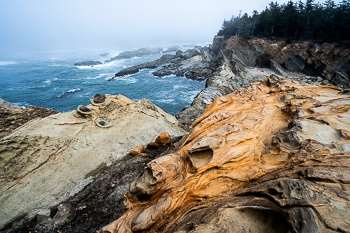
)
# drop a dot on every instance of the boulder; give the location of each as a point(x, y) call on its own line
point(138, 150)
point(163, 139)
point(47, 161)
point(272, 157)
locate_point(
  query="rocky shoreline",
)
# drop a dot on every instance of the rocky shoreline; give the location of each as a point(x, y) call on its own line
point(229, 65)
point(92, 145)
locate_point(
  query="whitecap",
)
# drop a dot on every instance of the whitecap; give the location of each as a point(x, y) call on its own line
point(101, 66)
point(69, 92)
point(166, 101)
point(179, 86)
point(5, 63)
point(98, 76)
point(48, 81)
point(127, 79)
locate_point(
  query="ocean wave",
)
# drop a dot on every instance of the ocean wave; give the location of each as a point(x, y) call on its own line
point(127, 79)
point(69, 92)
point(98, 76)
point(179, 86)
point(49, 81)
point(5, 63)
point(166, 101)
point(189, 95)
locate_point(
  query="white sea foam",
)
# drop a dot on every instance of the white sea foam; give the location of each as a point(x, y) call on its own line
point(48, 81)
point(71, 91)
point(98, 76)
point(127, 79)
point(5, 63)
point(101, 66)
point(179, 86)
point(167, 101)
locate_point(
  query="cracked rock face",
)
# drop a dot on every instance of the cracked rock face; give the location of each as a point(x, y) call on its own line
point(272, 157)
point(47, 161)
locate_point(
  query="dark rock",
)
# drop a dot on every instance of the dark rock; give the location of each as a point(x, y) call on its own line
point(88, 63)
point(65, 214)
point(136, 53)
point(152, 145)
point(99, 98)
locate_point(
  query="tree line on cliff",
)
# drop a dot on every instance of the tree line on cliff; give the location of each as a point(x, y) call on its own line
point(294, 20)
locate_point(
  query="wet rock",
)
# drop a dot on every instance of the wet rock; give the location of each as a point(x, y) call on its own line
point(266, 158)
point(88, 63)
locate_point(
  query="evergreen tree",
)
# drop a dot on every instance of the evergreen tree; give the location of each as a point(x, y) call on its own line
point(294, 20)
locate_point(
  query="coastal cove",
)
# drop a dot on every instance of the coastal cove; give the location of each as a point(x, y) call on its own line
point(50, 80)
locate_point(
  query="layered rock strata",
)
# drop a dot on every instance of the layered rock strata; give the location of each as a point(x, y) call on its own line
point(272, 157)
point(49, 160)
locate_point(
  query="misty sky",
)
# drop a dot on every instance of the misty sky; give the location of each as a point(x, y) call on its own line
point(42, 25)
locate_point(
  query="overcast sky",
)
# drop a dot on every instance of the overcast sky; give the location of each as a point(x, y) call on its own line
point(42, 25)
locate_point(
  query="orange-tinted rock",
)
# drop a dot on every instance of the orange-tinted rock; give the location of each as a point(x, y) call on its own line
point(163, 139)
point(274, 157)
point(137, 150)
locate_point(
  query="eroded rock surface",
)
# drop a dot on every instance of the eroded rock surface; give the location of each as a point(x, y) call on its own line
point(49, 160)
point(12, 118)
point(272, 157)
point(238, 61)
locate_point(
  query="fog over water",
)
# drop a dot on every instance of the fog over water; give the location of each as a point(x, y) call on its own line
point(42, 25)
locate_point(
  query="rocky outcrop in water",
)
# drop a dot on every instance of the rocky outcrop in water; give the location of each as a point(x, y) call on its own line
point(272, 157)
point(194, 63)
point(240, 61)
point(137, 53)
point(48, 161)
point(88, 63)
point(236, 62)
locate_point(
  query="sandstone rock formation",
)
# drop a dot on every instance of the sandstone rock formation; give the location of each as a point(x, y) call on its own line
point(49, 160)
point(272, 157)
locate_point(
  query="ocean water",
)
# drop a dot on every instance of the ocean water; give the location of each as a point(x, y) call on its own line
point(50, 80)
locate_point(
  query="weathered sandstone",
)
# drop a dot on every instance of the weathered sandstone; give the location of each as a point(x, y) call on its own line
point(12, 118)
point(272, 157)
point(49, 160)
